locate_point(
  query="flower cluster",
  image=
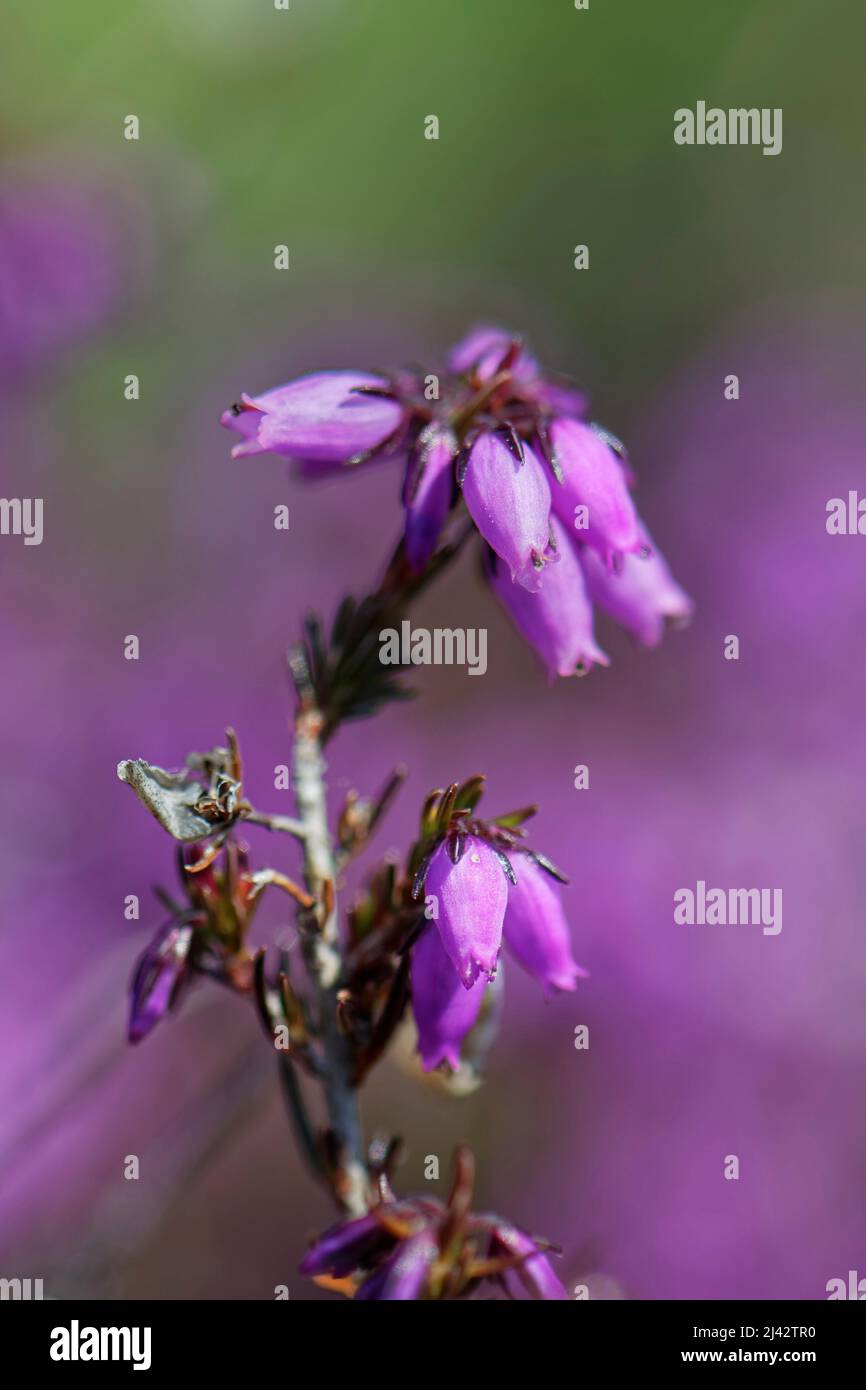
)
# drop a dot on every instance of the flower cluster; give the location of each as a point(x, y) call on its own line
point(481, 887)
point(419, 1248)
point(547, 490)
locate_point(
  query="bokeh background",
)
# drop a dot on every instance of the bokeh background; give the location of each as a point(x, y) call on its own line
point(155, 257)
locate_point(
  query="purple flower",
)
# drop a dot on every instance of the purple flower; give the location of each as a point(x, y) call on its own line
point(403, 1274)
point(429, 485)
point(444, 1011)
point(470, 898)
point(594, 479)
point(483, 351)
point(535, 928)
point(509, 441)
point(487, 351)
point(640, 595)
point(327, 417)
point(422, 1249)
point(532, 1270)
point(508, 496)
point(208, 934)
point(160, 976)
point(345, 1247)
point(557, 621)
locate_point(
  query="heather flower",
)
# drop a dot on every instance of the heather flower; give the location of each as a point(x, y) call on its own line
point(456, 1005)
point(428, 494)
point(421, 1249)
point(403, 1275)
point(344, 1247)
point(469, 896)
point(444, 1010)
point(535, 929)
point(325, 418)
point(593, 478)
point(531, 1270)
point(159, 979)
point(483, 352)
point(207, 934)
point(487, 352)
point(510, 443)
point(508, 497)
point(557, 621)
point(640, 595)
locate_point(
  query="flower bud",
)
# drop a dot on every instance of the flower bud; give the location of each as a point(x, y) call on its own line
point(327, 417)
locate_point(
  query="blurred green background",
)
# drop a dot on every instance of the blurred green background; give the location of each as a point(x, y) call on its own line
point(305, 126)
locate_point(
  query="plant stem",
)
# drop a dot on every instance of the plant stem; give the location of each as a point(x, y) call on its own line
point(321, 946)
point(284, 824)
point(315, 722)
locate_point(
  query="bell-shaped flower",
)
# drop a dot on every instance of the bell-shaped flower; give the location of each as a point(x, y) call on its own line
point(640, 594)
point(594, 495)
point(467, 902)
point(506, 490)
point(444, 1011)
point(556, 621)
point(535, 929)
point(160, 976)
point(427, 495)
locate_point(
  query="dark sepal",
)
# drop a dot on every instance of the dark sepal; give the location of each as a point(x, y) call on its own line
point(545, 446)
point(611, 440)
point(260, 994)
point(506, 864)
point(446, 806)
point(418, 881)
point(513, 351)
point(512, 441)
point(462, 464)
point(547, 864)
point(456, 846)
point(386, 392)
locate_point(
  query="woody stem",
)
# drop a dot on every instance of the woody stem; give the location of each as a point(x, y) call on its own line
point(323, 957)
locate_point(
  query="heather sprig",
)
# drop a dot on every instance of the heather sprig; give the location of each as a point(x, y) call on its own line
point(494, 448)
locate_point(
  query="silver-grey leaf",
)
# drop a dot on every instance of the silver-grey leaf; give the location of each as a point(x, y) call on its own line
point(170, 796)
